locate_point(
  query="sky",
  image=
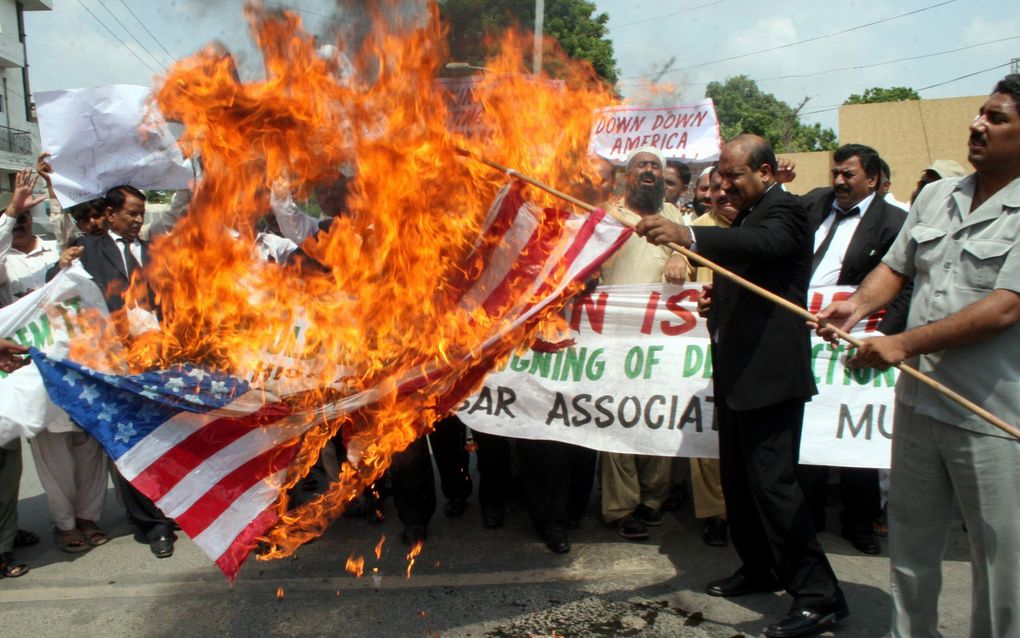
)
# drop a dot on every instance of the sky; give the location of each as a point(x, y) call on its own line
point(826, 44)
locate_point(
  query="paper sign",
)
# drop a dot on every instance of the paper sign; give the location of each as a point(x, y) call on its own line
point(107, 136)
point(688, 132)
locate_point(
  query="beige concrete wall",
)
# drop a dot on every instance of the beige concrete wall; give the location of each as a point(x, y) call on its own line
point(812, 171)
point(910, 135)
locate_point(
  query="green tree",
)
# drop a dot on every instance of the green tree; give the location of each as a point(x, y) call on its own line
point(878, 94)
point(582, 34)
point(744, 108)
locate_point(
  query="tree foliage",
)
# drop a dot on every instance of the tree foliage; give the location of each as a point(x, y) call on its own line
point(582, 34)
point(744, 108)
point(878, 94)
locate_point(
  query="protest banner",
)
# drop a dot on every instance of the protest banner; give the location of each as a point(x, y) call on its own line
point(637, 379)
point(44, 319)
point(686, 132)
point(107, 136)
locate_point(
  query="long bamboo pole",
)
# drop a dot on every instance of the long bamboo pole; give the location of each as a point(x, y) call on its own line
point(630, 220)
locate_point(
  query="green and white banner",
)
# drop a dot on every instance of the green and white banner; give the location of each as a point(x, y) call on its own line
point(637, 379)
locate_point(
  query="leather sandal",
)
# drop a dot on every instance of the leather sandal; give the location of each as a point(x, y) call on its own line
point(71, 541)
point(94, 535)
point(10, 568)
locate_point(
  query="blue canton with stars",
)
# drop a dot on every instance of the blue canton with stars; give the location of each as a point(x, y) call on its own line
point(121, 410)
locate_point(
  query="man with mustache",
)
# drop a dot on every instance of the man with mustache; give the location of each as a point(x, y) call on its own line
point(112, 258)
point(761, 361)
point(635, 486)
point(24, 258)
point(701, 192)
point(961, 246)
point(853, 227)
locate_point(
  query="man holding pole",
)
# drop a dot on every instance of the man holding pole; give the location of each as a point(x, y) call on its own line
point(761, 408)
point(960, 244)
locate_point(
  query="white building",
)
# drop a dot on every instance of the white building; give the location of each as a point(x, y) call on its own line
point(19, 132)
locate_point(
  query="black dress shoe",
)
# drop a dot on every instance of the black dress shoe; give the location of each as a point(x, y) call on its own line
point(715, 533)
point(492, 519)
point(864, 542)
point(807, 622)
point(162, 546)
point(740, 584)
point(555, 537)
point(414, 534)
point(455, 507)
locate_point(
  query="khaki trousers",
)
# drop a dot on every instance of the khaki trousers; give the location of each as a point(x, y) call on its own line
point(72, 470)
point(629, 480)
point(707, 488)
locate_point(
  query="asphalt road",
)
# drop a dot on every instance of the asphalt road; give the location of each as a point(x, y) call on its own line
point(468, 582)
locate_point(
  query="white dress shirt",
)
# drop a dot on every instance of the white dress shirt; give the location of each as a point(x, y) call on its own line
point(827, 273)
point(21, 273)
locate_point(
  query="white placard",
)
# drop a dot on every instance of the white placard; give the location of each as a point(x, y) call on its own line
point(107, 136)
point(687, 132)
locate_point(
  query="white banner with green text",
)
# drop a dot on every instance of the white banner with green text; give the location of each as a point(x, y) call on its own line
point(635, 377)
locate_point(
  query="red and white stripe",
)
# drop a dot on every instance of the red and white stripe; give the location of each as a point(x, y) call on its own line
point(219, 474)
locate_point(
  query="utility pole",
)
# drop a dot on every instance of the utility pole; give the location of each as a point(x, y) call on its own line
point(1015, 68)
point(536, 58)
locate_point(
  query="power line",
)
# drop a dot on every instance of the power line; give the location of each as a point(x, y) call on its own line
point(667, 15)
point(923, 88)
point(130, 34)
point(117, 38)
point(151, 35)
point(812, 39)
point(871, 66)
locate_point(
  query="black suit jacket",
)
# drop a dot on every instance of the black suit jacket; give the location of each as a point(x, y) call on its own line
point(761, 352)
point(879, 226)
point(103, 259)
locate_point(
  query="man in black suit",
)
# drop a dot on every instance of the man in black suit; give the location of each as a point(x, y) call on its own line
point(853, 227)
point(762, 377)
point(112, 258)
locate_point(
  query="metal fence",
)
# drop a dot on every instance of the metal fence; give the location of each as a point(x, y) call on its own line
point(13, 140)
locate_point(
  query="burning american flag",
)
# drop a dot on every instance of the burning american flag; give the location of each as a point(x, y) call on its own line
point(215, 453)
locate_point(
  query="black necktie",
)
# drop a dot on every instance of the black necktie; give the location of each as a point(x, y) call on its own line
point(130, 263)
point(839, 216)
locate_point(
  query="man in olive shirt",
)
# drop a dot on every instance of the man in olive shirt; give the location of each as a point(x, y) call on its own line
point(960, 244)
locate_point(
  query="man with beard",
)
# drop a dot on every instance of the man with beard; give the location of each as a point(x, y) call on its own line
point(760, 407)
point(635, 486)
point(701, 195)
point(961, 246)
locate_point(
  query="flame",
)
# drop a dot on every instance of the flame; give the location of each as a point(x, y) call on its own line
point(384, 302)
point(412, 555)
point(355, 565)
point(378, 547)
point(279, 593)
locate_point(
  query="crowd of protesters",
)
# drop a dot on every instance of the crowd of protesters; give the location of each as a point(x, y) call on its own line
point(947, 272)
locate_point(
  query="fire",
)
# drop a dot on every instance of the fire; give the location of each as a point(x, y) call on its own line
point(279, 593)
point(412, 555)
point(378, 547)
point(385, 305)
point(355, 565)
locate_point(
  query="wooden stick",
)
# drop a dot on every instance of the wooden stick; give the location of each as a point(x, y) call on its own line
point(630, 220)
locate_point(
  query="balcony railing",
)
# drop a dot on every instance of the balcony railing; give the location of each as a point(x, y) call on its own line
point(13, 140)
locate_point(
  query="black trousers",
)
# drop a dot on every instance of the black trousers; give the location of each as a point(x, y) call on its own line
point(142, 512)
point(770, 523)
point(414, 488)
point(557, 479)
point(858, 491)
point(495, 470)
